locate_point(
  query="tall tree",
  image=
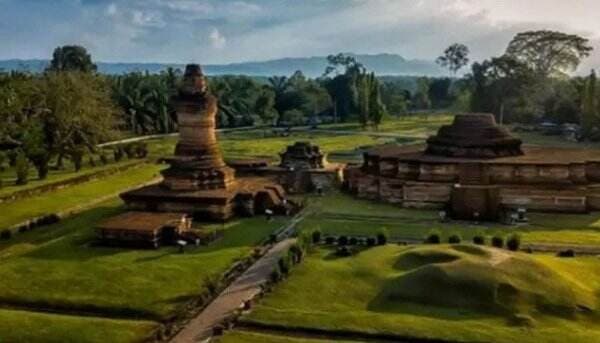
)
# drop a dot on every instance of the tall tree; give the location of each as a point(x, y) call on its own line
point(72, 58)
point(549, 53)
point(455, 57)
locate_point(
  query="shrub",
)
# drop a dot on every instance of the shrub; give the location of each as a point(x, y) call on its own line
point(513, 243)
point(382, 237)
point(284, 265)
point(275, 275)
point(343, 251)
point(353, 241)
point(498, 241)
point(454, 239)
point(479, 239)
point(22, 169)
point(3, 159)
point(129, 150)
point(118, 153)
point(371, 241)
point(434, 237)
point(342, 240)
point(103, 158)
point(566, 253)
point(296, 253)
point(316, 236)
point(141, 150)
point(330, 240)
point(5, 235)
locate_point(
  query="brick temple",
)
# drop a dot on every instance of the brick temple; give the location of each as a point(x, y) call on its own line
point(475, 169)
point(302, 168)
point(198, 181)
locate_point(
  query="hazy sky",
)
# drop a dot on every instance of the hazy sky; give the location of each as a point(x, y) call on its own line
point(221, 31)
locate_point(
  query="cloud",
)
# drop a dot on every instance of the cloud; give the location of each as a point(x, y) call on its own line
point(222, 31)
point(217, 40)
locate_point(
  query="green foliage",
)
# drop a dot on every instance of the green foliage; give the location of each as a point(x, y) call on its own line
point(479, 239)
point(342, 240)
point(498, 241)
point(434, 237)
point(22, 169)
point(383, 236)
point(5, 234)
point(549, 53)
point(455, 57)
point(71, 58)
point(454, 239)
point(316, 236)
point(513, 242)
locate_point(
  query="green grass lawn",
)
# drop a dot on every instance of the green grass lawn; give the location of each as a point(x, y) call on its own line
point(77, 195)
point(341, 214)
point(253, 337)
point(31, 327)
point(58, 267)
point(379, 291)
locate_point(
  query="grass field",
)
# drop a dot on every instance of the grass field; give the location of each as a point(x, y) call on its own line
point(74, 196)
point(252, 337)
point(57, 268)
point(31, 327)
point(393, 292)
point(341, 214)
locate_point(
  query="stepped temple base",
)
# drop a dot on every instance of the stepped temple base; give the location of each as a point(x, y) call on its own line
point(244, 197)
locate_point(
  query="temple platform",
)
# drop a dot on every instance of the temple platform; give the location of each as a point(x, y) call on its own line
point(245, 196)
point(474, 181)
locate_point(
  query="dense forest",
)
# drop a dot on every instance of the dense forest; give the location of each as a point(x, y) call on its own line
point(70, 108)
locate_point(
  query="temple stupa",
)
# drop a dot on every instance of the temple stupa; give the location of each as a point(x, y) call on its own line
point(198, 181)
point(476, 170)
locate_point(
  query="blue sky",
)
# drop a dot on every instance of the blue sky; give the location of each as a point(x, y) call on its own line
point(223, 31)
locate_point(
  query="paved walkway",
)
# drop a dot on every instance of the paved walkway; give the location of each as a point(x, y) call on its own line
point(244, 288)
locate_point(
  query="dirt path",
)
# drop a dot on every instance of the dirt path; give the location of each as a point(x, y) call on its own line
point(244, 288)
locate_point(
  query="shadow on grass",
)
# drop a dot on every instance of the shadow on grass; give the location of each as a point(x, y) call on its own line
point(386, 302)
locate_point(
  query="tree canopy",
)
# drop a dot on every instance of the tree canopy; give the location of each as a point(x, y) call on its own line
point(455, 57)
point(549, 53)
point(72, 58)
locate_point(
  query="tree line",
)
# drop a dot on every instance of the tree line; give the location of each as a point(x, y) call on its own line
point(66, 111)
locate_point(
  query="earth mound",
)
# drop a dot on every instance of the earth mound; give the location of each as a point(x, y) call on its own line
point(487, 280)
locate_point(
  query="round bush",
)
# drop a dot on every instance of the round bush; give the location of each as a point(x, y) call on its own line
point(454, 239)
point(6, 234)
point(330, 240)
point(382, 237)
point(498, 242)
point(566, 253)
point(343, 251)
point(371, 241)
point(342, 240)
point(513, 243)
point(353, 241)
point(434, 237)
point(275, 275)
point(479, 239)
point(316, 236)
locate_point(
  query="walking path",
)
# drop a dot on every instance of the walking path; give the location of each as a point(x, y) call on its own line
point(244, 288)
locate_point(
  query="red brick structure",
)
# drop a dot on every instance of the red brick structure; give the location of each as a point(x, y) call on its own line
point(477, 170)
point(198, 181)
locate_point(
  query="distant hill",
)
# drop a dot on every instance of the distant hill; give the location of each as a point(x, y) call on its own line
point(382, 64)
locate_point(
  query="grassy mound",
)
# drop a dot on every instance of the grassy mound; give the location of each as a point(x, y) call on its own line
point(485, 279)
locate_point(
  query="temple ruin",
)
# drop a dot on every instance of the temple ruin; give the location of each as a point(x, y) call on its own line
point(476, 170)
point(198, 181)
point(302, 168)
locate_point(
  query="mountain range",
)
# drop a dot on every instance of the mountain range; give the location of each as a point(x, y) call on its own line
point(381, 64)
